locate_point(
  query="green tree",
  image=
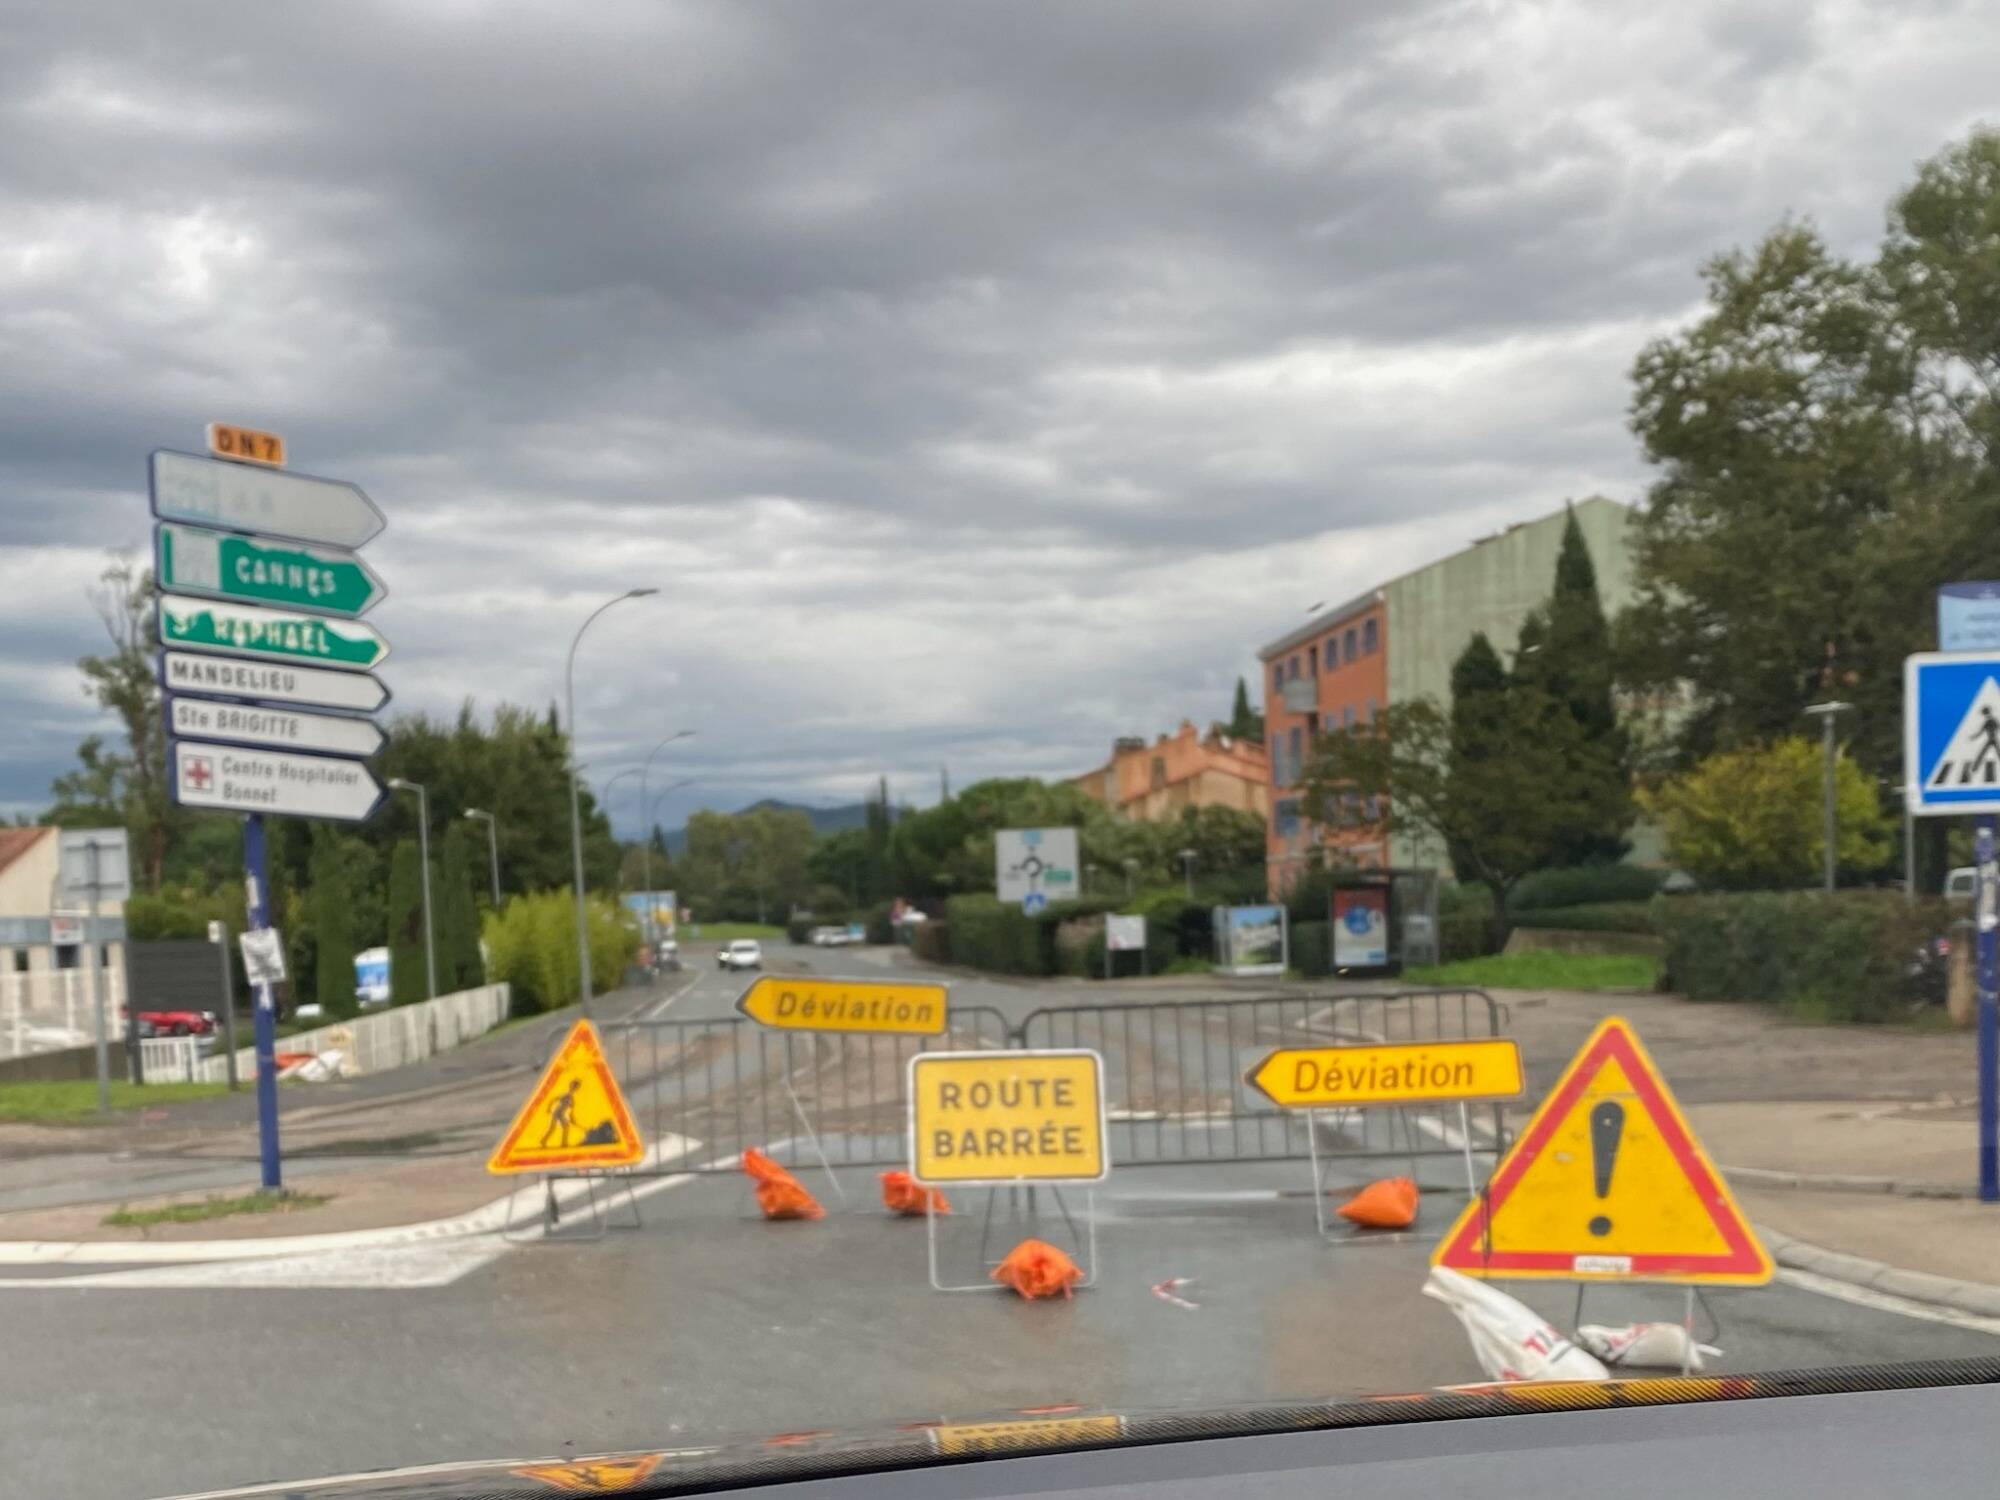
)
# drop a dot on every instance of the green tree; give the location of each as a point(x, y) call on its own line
point(1536, 782)
point(457, 912)
point(1565, 651)
point(1754, 818)
point(1245, 722)
point(408, 976)
point(331, 901)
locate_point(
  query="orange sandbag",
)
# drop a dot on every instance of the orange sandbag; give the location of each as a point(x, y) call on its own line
point(1388, 1204)
point(1037, 1270)
point(779, 1194)
point(902, 1195)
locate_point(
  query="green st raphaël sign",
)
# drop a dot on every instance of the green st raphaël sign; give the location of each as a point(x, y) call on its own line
point(268, 634)
point(261, 570)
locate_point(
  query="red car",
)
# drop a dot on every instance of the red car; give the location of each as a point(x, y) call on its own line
point(176, 1022)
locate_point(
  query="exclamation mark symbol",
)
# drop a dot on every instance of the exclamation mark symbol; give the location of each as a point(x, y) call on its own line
point(1607, 1125)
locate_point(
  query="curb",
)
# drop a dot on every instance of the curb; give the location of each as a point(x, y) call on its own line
point(1841, 1182)
point(1916, 1286)
point(488, 1219)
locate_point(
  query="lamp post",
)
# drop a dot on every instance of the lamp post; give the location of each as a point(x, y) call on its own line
point(492, 849)
point(423, 860)
point(646, 832)
point(575, 796)
point(1187, 869)
point(604, 797)
point(652, 817)
point(1826, 713)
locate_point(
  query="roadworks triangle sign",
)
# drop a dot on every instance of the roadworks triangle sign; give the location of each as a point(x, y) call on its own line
point(576, 1117)
point(1607, 1183)
point(593, 1476)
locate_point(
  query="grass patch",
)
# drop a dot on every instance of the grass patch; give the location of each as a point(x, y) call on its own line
point(72, 1100)
point(263, 1201)
point(1546, 971)
point(723, 932)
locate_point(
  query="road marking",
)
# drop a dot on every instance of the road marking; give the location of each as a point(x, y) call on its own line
point(1863, 1296)
point(655, 1011)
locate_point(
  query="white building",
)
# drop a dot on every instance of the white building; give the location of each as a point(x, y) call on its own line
point(45, 996)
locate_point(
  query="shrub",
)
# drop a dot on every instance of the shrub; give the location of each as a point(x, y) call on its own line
point(932, 941)
point(876, 921)
point(1000, 938)
point(1582, 885)
point(1312, 947)
point(532, 945)
point(1606, 916)
point(1465, 933)
point(799, 929)
point(1836, 958)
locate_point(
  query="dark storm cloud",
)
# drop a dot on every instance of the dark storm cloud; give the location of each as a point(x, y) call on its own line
point(973, 378)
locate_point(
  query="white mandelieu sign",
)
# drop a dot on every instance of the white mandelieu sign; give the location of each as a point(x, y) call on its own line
point(276, 502)
point(1125, 934)
point(287, 728)
point(1036, 865)
point(263, 955)
point(232, 779)
point(272, 682)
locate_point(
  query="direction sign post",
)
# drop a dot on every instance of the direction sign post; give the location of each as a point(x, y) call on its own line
point(1951, 764)
point(271, 502)
point(252, 570)
point(269, 634)
point(911, 1008)
point(271, 682)
point(248, 724)
point(229, 778)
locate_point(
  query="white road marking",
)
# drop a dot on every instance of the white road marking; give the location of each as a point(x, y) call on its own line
point(655, 1011)
point(1862, 1296)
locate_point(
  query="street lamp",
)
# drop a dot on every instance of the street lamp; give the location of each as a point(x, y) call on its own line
point(605, 798)
point(652, 818)
point(1130, 865)
point(424, 860)
point(492, 849)
point(646, 832)
point(1187, 869)
point(575, 796)
point(1826, 713)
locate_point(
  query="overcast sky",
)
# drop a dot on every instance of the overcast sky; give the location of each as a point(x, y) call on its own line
point(977, 382)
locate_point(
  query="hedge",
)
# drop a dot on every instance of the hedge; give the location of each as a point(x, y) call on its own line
point(1312, 948)
point(978, 932)
point(1604, 916)
point(1837, 957)
point(531, 944)
point(1583, 885)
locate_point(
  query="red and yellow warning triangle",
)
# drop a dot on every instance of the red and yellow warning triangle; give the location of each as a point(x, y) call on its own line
point(575, 1116)
point(593, 1476)
point(1607, 1183)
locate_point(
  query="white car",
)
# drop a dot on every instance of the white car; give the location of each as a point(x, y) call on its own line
point(742, 953)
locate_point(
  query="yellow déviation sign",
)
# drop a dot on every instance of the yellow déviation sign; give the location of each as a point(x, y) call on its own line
point(575, 1116)
point(886, 1005)
point(1002, 1117)
point(1395, 1073)
point(1607, 1183)
point(246, 443)
point(965, 1439)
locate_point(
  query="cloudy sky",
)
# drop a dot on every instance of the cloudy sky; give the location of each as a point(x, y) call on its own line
point(976, 381)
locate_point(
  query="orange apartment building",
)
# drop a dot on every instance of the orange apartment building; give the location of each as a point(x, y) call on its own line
point(1330, 673)
point(1185, 769)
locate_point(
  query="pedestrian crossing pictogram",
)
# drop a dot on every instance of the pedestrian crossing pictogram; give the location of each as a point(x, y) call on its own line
point(575, 1117)
point(1972, 756)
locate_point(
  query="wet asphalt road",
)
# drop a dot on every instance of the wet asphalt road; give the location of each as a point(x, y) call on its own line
point(707, 1320)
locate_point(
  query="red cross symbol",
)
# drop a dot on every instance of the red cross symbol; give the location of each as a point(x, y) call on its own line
point(195, 772)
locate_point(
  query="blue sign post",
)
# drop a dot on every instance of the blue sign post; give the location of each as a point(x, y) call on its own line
point(1951, 764)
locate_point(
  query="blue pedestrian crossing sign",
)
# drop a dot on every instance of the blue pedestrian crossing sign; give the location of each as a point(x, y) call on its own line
point(1951, 732)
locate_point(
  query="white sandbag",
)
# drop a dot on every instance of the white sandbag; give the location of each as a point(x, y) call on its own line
point(1510, 1340)
point(1663, 1346)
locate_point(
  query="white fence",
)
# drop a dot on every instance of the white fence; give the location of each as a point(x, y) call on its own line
point(42, 1010)
point(172, 1059)
point(375, 1043)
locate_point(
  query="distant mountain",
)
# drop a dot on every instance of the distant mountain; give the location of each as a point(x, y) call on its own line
point(825, 820)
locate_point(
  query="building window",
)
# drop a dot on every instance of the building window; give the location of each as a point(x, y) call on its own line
point(1374, 808)
point(20, 960)
point(1297, 741)
point(1349, 649)
point(1312, 661)
point(1295, 669)
point(1159, 774)
point(1369, 717)
point(1331, 723)
point(1369, 639)
point(1287, 816)
point(1347, 717)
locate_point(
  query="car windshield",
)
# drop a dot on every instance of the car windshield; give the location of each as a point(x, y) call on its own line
point(737, 722)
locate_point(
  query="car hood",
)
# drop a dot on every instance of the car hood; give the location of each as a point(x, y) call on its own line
point(772, 1458)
